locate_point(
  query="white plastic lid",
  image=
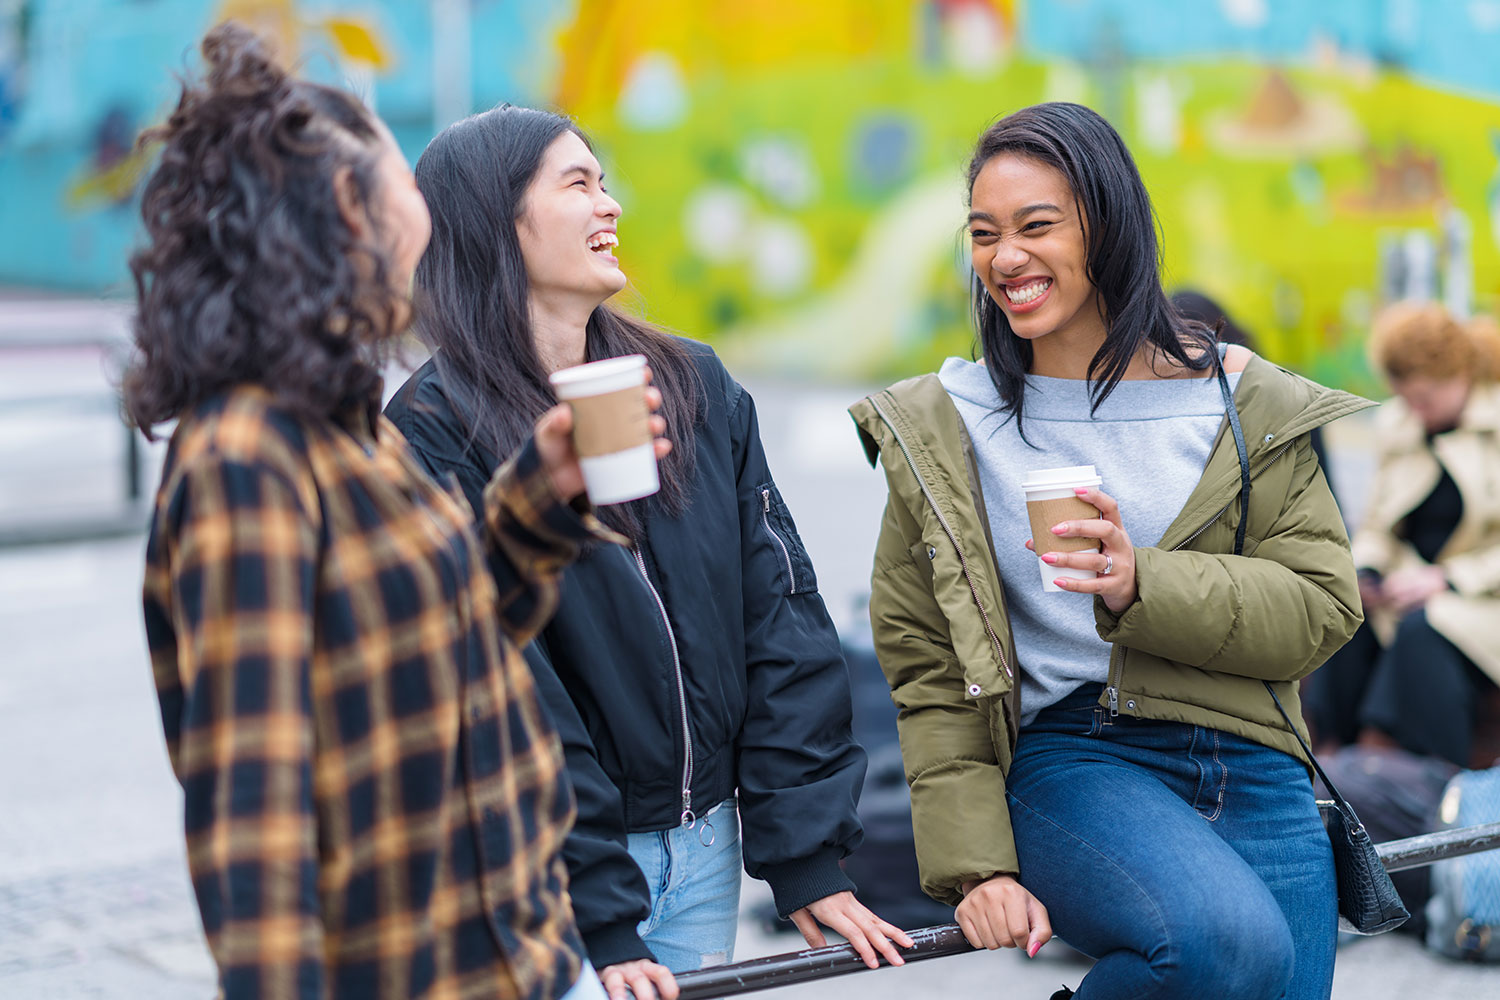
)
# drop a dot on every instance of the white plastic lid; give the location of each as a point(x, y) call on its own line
point(596, 377)
point(1066, 477)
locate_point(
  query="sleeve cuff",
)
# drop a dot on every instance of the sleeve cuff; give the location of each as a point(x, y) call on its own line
point(523, 490)
point(795, 884)
point(1111, 626)
point(615, 943)
point(1472, 575)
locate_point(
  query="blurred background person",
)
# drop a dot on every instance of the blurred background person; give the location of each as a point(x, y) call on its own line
point(1428, 548)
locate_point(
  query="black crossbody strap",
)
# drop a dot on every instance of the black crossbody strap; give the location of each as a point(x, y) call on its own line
point(1233, 413)
point(1332, 790)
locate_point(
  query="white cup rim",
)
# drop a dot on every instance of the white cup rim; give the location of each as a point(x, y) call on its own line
point(607, 368)
point(1065, 476)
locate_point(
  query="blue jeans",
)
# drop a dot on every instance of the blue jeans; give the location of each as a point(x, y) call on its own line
point(1189, 862)
point(694, 875)
point(587, 986)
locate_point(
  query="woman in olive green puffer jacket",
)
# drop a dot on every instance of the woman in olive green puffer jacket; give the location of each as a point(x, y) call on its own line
point(1155, 809)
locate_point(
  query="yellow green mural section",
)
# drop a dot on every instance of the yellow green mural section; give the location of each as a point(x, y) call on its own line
point(801, 202)
point(792, 172)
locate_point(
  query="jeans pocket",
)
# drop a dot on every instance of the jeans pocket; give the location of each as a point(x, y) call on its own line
point(1213, 773)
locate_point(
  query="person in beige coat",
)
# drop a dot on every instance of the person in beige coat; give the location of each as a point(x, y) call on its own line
point(1428, 548)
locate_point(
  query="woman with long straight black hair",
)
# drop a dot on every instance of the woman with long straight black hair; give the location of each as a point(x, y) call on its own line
point(695, 675)
point(1102, 757)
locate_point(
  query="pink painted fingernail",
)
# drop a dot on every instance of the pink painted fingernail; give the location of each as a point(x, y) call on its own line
point(1081, 490)
point(1058, 529)
point(1035, 947)
point(1049, 557)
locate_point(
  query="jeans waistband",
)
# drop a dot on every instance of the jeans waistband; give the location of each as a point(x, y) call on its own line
point(1083, 696)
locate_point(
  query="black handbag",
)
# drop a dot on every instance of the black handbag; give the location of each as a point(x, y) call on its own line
point(1368, 903)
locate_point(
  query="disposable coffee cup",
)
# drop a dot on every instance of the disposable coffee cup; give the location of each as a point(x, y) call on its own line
point(611, 427)
point(1049, 500)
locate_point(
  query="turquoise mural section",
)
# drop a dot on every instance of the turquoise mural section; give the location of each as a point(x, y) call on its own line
point(80, 78)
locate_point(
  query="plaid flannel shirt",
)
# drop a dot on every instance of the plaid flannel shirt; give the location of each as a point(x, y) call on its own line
point(375, 803)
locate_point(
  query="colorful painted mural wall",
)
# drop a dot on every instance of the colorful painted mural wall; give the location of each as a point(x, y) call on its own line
point(791, 171)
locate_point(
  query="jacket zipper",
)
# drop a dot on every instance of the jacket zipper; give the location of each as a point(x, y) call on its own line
point(1113, 690)
point(687, 816)
point(765, 518)
point(963, 562)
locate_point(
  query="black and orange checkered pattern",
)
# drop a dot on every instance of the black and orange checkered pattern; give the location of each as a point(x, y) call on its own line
point(375, 804)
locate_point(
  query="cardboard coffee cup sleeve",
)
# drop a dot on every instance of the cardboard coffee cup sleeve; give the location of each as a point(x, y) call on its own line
point(610, 422)
point(1045, 513)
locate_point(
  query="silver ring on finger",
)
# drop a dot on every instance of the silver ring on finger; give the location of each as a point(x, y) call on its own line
point(1109, 565)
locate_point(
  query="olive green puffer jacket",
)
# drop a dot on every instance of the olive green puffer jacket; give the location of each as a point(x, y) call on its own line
point(1207, 628)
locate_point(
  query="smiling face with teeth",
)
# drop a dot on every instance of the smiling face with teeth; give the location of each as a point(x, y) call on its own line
point(567, 229)
point(1030, 249)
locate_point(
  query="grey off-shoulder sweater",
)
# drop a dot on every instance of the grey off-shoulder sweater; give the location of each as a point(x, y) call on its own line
point(1150, 441)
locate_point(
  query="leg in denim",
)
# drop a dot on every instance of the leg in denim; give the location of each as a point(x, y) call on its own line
point(1190, 863)
point(587, 986)
point(694, 875)
point(1425, 693)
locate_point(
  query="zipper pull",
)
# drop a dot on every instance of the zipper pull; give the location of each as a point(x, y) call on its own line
point(765, 496)
point(688, 819)
point(1114, 701)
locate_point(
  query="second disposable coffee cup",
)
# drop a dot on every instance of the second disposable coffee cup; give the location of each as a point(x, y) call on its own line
point(611, 427)
point(1049, 500)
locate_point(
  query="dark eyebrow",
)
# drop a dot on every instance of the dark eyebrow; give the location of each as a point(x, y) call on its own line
point(579, 168)
point(1017, 216)
point(1044, 206)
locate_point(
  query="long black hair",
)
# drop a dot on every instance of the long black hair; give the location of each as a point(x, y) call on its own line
point(1123, 262)
point(475, 296)
point(249, 272)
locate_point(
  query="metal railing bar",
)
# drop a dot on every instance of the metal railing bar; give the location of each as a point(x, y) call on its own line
point(91, 402)
point(944, 940)
point(1414, 852)
point(812, 964)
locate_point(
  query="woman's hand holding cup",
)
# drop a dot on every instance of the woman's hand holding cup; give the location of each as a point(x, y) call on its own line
point(1114, 562)
point(559, 453)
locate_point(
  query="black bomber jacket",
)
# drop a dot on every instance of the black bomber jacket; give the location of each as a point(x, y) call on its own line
point(721, 604)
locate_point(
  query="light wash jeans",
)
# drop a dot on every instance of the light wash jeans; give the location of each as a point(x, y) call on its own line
point(1189, 862)
point(694, 875)
point(587, 986)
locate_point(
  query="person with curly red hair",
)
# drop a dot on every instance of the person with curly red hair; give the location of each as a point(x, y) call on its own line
point(1428, 547)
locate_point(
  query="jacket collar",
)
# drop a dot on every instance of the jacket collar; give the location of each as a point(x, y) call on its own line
point(1272, 402)
point(1275, 407)
point(1482, 412)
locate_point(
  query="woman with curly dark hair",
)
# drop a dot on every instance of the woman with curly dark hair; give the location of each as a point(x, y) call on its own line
point(375, 803)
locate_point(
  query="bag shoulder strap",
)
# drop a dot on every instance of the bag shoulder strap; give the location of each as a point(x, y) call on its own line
point(1332, 789)
point(1233, 413)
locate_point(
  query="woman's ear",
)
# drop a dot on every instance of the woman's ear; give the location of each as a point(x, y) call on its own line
point(351, 206)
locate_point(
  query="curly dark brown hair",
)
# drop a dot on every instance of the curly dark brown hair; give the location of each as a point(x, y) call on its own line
point(250, 273)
